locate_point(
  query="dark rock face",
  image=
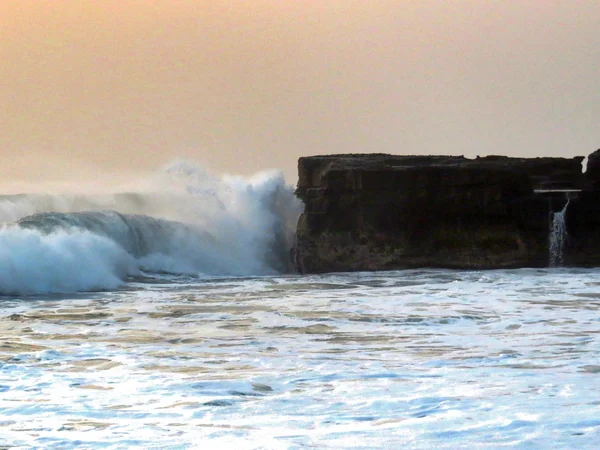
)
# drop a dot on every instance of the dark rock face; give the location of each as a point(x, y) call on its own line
point(592, 172)
point(582, 219)
point(381, 212)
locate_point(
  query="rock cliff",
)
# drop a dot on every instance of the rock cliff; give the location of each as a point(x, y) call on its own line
point(582, 218)
point(380, 212)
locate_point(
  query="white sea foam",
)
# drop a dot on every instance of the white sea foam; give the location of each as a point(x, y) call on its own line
point(65, 261)
point(416, 359)
point(218, 225)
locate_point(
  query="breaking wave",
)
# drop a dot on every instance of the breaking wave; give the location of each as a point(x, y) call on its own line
point(193, 223)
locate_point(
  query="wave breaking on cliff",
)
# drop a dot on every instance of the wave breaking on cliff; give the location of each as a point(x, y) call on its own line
point(191, 223)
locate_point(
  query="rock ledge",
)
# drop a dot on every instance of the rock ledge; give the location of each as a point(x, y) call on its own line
point(384, 212)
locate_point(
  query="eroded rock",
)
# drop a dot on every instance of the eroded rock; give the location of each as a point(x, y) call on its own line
point(381, 212)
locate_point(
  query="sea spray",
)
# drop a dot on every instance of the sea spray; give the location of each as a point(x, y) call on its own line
point(32, 262)
point(254, 217)
point(192, 223)
point(557, 237)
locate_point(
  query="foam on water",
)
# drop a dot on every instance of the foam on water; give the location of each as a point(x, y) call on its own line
point(409, 359)
point(64, 261)
point(196, 224)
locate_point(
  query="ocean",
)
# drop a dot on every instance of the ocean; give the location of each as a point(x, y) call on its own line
point(172, 320)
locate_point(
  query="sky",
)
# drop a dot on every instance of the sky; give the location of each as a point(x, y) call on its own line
point(101, 92)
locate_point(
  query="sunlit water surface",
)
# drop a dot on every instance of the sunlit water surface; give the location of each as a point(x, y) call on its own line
point(409, 359)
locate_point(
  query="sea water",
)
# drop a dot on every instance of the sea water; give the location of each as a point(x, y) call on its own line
point(408, 359)
point(106, 346)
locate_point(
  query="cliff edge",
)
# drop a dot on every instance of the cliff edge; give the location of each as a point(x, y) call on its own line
point(383, 212)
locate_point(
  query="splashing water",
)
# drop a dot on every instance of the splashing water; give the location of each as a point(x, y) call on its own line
point(191, 223)
point(557, 237)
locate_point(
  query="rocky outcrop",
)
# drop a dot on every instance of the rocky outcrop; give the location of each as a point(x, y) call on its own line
point(592, 172)
point(582, 219)
point(380, 212)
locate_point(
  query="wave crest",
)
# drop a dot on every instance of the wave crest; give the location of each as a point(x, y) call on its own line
point(223, 226)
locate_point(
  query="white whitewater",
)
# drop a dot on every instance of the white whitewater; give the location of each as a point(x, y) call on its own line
point(421, 359)
point(191, 223)
point(557, 237)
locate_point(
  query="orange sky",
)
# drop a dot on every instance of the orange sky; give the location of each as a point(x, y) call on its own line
point(102, 90)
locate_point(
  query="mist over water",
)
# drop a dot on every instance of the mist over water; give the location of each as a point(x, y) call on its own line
point(190, 222)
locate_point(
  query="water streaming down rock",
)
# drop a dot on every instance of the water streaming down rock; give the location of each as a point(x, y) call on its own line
point(557, 237)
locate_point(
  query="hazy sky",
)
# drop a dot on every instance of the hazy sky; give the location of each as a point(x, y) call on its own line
point(90, 88)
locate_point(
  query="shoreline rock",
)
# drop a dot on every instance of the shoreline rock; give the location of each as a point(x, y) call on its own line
point(385, 212)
